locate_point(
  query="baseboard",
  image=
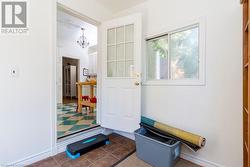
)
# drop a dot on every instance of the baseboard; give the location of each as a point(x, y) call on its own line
point(199, 161)
point(107, 131)
point(32, 159)
point(128, 135)
point(61, 147)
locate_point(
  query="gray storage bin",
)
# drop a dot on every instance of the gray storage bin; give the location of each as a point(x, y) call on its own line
point(156, 150)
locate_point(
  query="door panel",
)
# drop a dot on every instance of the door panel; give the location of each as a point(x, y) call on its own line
point(110, 104)
point(121, 93)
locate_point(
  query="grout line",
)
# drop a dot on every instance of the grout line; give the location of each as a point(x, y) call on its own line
point(104, 150)
point(90, 162)
point(122, 159)
point(100, 158)
point(114, 156)
point(56, 161)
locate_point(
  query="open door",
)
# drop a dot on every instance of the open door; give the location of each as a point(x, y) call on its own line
point(121, 79)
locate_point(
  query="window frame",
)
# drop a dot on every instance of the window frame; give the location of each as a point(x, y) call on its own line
point(182, 82)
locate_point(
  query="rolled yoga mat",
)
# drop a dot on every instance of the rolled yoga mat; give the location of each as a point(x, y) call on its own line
point(186, 136)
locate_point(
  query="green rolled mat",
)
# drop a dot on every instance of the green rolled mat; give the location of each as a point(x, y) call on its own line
point(187, 136)
point(147, 121)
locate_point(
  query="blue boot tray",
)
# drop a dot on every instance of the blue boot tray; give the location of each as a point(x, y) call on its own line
point(75, 150)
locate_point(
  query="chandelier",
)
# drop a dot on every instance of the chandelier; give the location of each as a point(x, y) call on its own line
point(82, 40)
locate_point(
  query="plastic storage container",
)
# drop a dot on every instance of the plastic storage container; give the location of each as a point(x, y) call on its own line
point(156, 150)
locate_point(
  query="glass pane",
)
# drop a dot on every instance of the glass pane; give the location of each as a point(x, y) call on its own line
point(129, 51)
point(120, 35)
point(129, 34)
point(185, 54)
point(111, 66)
point(111, 36)
point(129, 65)
point(120, 52)
point(111, 53)
point(120, 69)
point(157, 58)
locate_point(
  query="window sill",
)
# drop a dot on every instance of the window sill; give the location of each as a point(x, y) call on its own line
point(174, 83)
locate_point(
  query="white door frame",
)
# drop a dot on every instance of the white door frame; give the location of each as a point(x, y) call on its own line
point(54, 142)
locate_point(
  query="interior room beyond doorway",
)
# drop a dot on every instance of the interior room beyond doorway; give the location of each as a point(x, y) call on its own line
point(76, 74)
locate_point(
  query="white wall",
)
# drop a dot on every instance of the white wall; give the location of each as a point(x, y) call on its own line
point(214, 110)
point(25, 124)
point(92, 52)
point(67, 36)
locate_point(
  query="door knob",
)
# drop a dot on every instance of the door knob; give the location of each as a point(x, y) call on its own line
point(137, 83)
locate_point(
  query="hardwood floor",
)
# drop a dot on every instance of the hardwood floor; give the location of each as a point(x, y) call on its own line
point(69, 100)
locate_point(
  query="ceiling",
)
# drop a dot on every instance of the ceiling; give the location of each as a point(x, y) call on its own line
point(69, 28)
point(116, 5)
point(71, 20)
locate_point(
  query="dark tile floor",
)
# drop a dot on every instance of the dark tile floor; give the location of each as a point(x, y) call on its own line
point(105, 156)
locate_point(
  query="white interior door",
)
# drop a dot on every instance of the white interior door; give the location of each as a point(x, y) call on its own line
point(121, 81)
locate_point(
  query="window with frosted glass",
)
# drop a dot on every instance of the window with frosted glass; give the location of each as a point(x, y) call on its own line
point(120, 51)
point(174, 56)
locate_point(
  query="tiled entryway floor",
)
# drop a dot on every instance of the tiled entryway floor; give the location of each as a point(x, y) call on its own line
point(105, 156)
point(133, 161)
point(69, 121)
